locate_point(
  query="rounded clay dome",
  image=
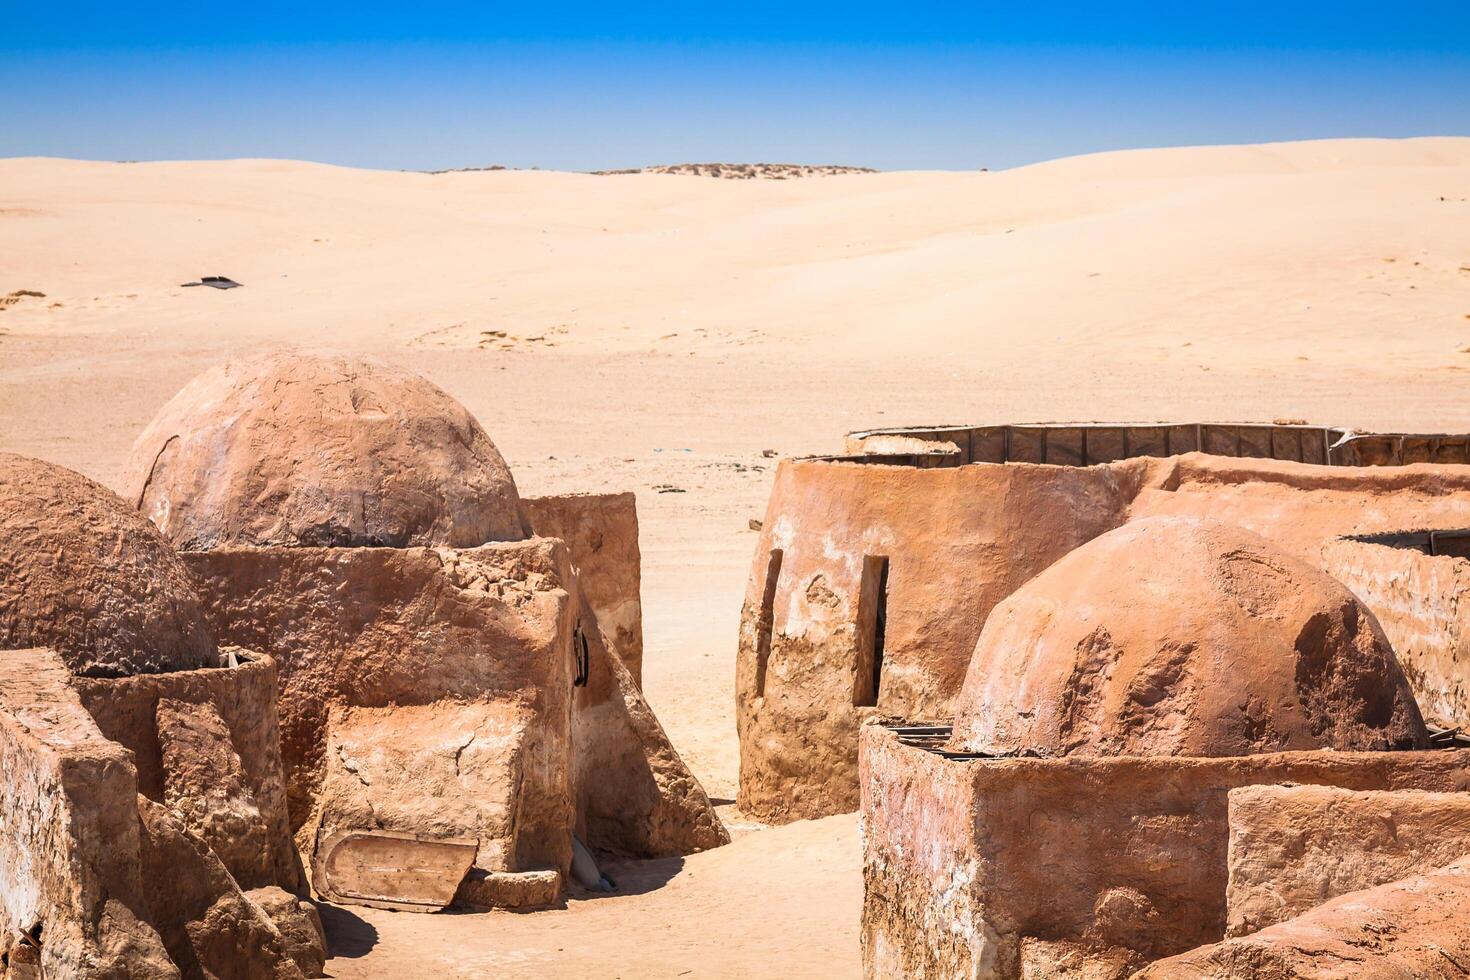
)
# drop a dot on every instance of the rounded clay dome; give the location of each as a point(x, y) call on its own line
point(82, 573)
point(320, 450)
point(1174, 636)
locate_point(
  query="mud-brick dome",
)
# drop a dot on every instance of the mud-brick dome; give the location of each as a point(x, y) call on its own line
point(81, 572)
point(320, 450)
point(1174, 636)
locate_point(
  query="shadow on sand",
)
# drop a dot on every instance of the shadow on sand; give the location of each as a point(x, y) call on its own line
point(347, 934)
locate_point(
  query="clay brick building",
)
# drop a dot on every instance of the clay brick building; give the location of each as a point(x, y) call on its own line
point(875, 570)
point(459, 668)
point(1176, 735)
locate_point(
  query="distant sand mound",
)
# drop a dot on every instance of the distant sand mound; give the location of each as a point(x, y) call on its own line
point(744, 171)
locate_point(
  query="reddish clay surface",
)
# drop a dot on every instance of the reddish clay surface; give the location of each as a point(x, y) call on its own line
point(83, 574)
point(287, 448)
point(1177, 636)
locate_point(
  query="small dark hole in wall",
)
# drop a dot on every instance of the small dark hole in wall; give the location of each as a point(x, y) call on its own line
point(872, 625)
point(766, 624)
point(584, 657)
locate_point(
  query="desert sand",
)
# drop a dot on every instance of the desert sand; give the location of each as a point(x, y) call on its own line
point(663, 333)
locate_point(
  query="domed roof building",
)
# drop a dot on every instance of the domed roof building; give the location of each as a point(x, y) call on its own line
point(355, 522)
point(84, 574)
point(320, 450)
point(1183, 637)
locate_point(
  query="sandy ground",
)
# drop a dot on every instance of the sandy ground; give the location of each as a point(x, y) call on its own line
point(657, 333)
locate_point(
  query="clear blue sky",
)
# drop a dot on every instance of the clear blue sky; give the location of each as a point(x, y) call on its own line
point(583, 86)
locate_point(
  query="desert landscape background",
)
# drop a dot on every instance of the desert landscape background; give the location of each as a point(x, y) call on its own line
point(670, 334)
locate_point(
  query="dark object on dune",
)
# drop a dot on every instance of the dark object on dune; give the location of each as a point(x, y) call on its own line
point(218, 282)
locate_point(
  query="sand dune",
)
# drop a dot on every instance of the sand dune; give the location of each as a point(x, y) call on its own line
point(656, 331)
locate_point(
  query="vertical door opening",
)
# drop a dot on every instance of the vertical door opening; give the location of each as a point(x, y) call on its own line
point(766, 624)
point(872, 624)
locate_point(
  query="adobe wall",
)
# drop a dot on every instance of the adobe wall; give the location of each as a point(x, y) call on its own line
point(635, 796)
point(1416, 928)
point(1416, 597)
point(126, 710)
point(378, 627)
point(964, 858)
point(961, 538)
point(1302, 507)
point(1294, 847)
point(957, 541)
point(601, 534)
point(69, 843)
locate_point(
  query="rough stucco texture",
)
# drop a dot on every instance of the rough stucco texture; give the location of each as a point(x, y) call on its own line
point(288, 448)
point(82, 574)
point(383, 627)
point(207, 743)
point(958, 541)
point(1417, 600)
point(601, 534)
point(69, 843)
point(1179, 636)
point(1417, 927)
point(966, 859)
point(1294, 847)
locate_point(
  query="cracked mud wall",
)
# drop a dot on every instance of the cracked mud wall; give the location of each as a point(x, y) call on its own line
point(1141, 870)
point(960, 539)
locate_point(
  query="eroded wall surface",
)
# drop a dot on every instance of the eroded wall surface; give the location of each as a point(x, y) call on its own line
point(964, 860)
point(958, 540)
point(207, 743)
point(1417, 599)
point(601, 534)
point(383, 627)
point(1416, 927)
point(70, 877)
point(1294, 847)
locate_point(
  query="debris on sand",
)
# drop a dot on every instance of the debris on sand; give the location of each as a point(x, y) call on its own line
point(218, 282)
point(19, 295)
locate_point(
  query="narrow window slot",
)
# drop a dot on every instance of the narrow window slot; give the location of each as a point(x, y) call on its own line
point(766, 624)
point(872, 625)
point(583, 655)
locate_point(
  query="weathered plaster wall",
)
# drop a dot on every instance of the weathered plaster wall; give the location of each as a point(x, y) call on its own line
point(957, 542)
point(963, 859)
point(1415, 928)
point(69, 842)
point(960, 539)
point(601, 534)
point(126, 710)
point(378, 627)
point(1294, 847)
point(1416, 598)
point(635, 796)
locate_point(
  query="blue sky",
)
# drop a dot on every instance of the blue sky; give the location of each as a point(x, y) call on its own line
point(584, 86)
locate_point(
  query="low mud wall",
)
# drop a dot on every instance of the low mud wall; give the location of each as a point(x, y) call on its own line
point(244, 698)
point(965, 858)
point(1294, 847)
